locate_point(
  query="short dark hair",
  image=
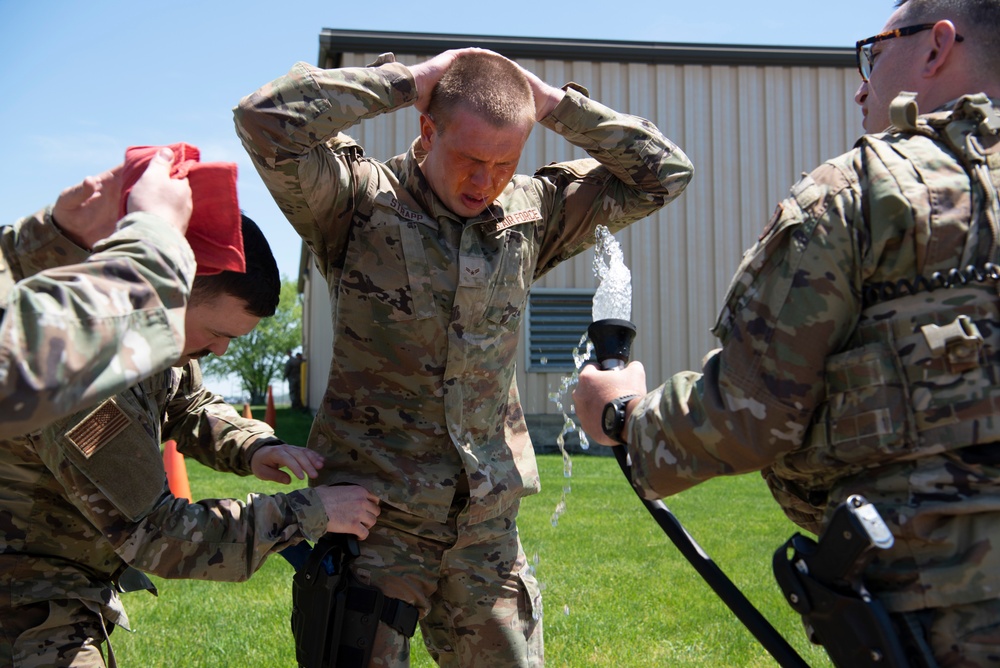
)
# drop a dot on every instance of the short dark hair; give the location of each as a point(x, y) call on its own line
point(259, 287)
point(976, 20)
point(487, 84)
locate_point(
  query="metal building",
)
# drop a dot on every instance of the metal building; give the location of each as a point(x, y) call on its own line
point(751, 119)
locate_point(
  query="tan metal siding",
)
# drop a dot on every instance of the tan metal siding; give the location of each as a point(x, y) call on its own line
point(750, 132)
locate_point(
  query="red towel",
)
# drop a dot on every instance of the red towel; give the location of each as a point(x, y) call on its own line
point(215, 231)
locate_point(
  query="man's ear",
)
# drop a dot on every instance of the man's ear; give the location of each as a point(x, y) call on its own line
point(944, 38)
point(428, 131)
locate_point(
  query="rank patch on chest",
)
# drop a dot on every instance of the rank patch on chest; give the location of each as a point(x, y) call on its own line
point(472, 272)
point(97, 429)
point(518, 217)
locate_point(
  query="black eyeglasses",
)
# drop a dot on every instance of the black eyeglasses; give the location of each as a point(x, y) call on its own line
point(864, 46)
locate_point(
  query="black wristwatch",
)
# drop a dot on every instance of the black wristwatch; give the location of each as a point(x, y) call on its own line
point(613, 417)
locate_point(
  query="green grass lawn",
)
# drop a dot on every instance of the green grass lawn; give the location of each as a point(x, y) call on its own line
point(616, 591)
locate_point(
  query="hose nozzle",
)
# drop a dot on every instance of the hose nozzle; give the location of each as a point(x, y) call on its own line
point(612, 339)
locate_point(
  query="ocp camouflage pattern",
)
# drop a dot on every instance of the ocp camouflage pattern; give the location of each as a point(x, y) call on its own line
point(427, 306)
point(88, 495)
point(831, 396)
point(89, 325)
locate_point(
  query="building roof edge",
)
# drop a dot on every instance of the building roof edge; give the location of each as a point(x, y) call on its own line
point(336, 41)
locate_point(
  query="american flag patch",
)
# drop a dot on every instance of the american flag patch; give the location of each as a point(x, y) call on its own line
point(98, 428)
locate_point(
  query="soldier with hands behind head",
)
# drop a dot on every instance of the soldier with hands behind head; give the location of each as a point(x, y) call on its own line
point(429, 257)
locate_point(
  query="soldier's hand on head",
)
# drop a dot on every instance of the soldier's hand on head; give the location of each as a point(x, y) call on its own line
point(428, 73)
point(88, 211)
point(267, 463)
point(155, 192)
point(546, 96)
point(350, 508)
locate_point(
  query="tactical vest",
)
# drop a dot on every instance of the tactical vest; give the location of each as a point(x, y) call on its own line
point(920, 374)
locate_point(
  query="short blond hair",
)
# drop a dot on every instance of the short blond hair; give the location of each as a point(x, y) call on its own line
point(486, 84)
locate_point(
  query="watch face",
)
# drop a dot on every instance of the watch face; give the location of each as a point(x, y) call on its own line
point(610, 419)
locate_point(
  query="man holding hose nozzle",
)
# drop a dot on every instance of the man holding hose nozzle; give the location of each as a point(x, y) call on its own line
point(860, 341)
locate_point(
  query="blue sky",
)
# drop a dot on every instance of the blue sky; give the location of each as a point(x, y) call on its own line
point(81, 81)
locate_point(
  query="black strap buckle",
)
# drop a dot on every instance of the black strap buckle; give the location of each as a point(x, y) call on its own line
point(401, 616)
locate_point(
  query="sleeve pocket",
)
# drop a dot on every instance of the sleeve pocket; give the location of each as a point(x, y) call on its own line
point(114, 451)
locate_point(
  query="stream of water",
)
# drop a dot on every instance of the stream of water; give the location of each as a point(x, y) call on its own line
point(612, 299)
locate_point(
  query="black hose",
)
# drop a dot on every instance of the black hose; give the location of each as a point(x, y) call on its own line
point(766, 635)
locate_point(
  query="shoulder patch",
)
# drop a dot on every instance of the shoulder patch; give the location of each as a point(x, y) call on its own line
point(97, 429)
point(518, 218)
point(806, 192)
point(775, 217)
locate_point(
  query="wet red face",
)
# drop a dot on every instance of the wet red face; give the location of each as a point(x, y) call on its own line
point(471, 162)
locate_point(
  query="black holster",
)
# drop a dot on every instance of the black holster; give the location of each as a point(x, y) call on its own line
point(822, 581)
point(335, 617)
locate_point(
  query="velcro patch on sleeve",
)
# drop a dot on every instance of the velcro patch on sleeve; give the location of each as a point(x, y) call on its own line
point(97, 429)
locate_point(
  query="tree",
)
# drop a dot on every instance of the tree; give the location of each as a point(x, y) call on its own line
point(259, 357)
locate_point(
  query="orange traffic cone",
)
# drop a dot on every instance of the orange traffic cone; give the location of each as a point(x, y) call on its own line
point(247, 413)
point(269, 416)
point(177, 477)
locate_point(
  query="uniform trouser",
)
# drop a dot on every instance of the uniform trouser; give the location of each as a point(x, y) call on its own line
point(479, 604)
point(963, 636)
point(51, 634)
point(944, 512)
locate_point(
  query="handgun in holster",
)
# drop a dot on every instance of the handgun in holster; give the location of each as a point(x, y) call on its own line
point(335, 617)
point(822, 581)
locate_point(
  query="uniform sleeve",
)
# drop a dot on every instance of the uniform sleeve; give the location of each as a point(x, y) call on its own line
point(214, 539)
point(794, 301)
point(209, 429)
point(633, 171)
point(111, 469)
point(78, 329)
point(223, 540)
point(290, 127)
point(35, 243)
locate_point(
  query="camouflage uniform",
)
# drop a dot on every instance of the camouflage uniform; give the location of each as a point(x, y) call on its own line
point(421, 399)
point(836, 378)
point(293, 374)
point(86, 496)
point(78, 334)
